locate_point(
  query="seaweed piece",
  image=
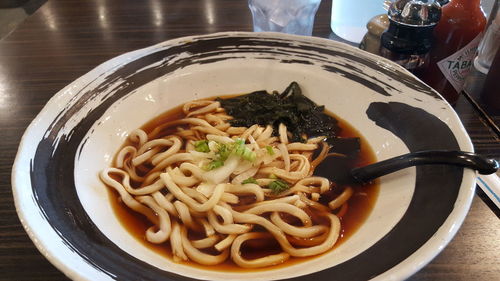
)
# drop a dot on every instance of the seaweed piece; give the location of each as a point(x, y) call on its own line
point(300, 114)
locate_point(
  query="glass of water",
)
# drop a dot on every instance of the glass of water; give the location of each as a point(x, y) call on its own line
point(288, 16)
point(349, 17)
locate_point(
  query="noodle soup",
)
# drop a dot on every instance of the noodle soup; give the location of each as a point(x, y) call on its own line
point(200, 191)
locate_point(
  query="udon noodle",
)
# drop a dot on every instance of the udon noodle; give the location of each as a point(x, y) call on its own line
point(207, 210)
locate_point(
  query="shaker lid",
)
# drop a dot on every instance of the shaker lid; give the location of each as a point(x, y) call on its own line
point(415, 12)
point(378, 24)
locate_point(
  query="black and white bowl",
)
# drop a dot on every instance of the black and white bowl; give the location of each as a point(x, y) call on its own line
point(65, 208)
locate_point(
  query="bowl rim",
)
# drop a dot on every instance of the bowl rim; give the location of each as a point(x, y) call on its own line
point(405, 269)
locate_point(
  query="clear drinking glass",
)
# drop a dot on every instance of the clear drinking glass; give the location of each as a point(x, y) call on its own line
point(288, 16)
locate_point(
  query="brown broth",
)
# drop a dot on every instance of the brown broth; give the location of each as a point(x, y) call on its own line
point(359, 207)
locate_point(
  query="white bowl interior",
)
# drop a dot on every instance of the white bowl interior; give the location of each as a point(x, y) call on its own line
point(221, 78)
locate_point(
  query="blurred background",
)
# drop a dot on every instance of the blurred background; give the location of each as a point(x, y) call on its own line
point(14, 12)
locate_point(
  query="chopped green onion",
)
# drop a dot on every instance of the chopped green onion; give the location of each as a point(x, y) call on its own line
point(270, 150)
point(214, 164)
point(249, 155)
point(223, 151)
point(278, 186)
point(249, 180)
point(241, 150)
point(272, 176)
point(201, 146)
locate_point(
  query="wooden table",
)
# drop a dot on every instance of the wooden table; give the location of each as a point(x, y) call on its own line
point(66, 38)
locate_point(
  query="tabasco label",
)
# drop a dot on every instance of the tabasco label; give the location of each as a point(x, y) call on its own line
point(456, 67)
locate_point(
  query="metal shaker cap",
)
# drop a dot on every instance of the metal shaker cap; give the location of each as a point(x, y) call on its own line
point(415, 12)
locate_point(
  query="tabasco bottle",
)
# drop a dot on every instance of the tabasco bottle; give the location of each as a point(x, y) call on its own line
point(456, 36)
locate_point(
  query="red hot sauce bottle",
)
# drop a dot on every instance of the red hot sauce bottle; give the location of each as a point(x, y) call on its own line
point(457, 36)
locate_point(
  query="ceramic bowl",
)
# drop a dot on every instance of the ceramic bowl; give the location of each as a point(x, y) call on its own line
point(65, 208)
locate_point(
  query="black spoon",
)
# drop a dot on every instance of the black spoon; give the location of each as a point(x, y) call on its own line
point(335, 168)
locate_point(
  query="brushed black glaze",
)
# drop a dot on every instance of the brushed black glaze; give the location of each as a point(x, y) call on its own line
point(316, 53)
point(432, 201)
point(54, 187)
point(391, 72)
point(372, 85)
point(297, 61)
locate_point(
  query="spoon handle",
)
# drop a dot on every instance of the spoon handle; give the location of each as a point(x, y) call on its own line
point(474, 161)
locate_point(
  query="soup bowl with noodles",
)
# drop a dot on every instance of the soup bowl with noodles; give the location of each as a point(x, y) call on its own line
point(158, 165)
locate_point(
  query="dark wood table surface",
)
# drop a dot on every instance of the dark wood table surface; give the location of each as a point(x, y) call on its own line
point(64, 39)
